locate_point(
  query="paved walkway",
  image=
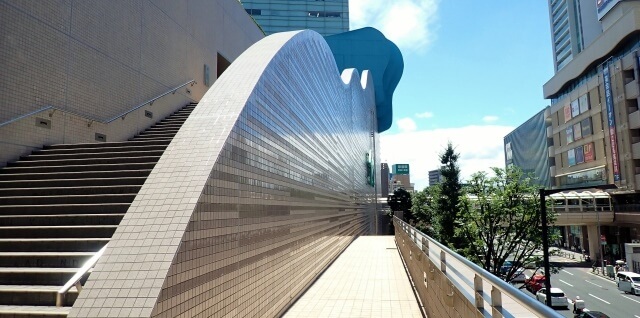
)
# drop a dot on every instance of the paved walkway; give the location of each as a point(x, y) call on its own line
point(367, 280)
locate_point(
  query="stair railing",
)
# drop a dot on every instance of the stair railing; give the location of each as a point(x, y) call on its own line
point(75, 280)
point(122, 115)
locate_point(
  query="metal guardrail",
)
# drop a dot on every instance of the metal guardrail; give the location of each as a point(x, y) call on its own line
point(518, 296)
point(122, 115)
point(75, 280)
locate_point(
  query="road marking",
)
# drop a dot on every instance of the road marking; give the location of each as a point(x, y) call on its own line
point(637, 316)
point(592, 283)
point(631, 300)
point(603, 278)
point(598, 298)
point(566, 283)
point(567, 273)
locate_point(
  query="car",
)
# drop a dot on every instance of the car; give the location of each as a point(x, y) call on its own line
point(519, 276)
point(558, 298)
point(507, 265)
point(592, 314)
point(628, 282)
point(534, 283)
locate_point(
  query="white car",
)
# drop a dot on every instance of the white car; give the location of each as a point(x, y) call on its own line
point(558, 298)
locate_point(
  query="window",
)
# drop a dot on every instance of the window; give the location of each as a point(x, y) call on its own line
point(585, 126)
point(323, 14)
point(254, 11)
point(569, 132)
point(584, 103)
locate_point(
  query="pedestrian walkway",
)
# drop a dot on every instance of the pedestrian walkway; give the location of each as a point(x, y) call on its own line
point(367, 280)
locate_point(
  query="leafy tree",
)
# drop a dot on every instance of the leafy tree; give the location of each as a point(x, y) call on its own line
point(448, 198)
point(401, 201)
point(500, 220)
point(423, 208)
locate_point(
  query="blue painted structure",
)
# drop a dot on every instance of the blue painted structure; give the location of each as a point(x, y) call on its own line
point(368, 49)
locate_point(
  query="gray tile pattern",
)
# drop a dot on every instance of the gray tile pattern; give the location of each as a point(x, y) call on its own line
point(260, 189)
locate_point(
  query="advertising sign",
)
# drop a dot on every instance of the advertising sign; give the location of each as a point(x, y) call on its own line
point(585, 124)
point(567, 113)
point(603, 6)
point(569, 132)
point(575, 108)
point(401, 168)
point(577, 132)
point(584, 103)
point(571, 155)
point(579, 155)
point(613, 137)
point(589, 153)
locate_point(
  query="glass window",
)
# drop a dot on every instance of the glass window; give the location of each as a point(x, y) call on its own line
point(569, 132)
point(577, 132)
point(585, 126)
point(571, 155)
point(584, 103)
point(575, 108)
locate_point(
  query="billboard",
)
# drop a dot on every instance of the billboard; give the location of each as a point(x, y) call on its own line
point(575, 108)
point(584, 103)
point(579, 155)
point(401, 168)
point(589, 152)
point(567, 113)
point(603, 6)
point(571, 156)
point(611, 120)
point(526, 147)
point(585, 124)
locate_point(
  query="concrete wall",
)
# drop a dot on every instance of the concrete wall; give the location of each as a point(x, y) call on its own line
point(261, 188)
point(94, 60)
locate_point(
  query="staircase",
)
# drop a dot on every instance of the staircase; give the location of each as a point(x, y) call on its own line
point(60, 205)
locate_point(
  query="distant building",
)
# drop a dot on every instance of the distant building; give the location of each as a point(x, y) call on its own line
point(385, 179)
point(401, 177)
point(435, 177)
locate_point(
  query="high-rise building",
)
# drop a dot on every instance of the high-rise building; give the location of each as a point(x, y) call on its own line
point(595, 120)
point(326, 17)
point(573, 27)
point(385, 179)
point(435, 177)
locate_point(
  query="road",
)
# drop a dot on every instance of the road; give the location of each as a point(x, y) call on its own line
point(599, 293)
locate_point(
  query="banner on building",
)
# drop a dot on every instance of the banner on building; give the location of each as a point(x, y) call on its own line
point(613, 136)
point(567, 113)
point(589, 153)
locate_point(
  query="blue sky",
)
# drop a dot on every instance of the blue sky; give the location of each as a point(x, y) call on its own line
point(473, 72)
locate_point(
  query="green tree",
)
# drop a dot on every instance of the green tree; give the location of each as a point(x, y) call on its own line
point(500, 220)
point(448, 198)
point(423, 208)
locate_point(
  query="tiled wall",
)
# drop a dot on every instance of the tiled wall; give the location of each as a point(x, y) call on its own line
point(99, 60)
point(262, 187)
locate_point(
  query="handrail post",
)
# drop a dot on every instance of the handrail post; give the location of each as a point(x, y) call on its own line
point(443, 262)
point(477, 287)
point(496, 302)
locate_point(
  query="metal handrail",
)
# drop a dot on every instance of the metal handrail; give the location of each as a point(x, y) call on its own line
point(75, 280)
point(122, 115)
point(533, 306)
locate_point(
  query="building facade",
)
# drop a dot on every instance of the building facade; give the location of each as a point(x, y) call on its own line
point(270, 177)
point(595, 121)
point(435, 177)
point(326, 17)
point(573, 28)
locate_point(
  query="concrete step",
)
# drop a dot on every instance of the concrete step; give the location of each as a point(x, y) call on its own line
point(70, 183)
point(53, 245)
point(85, 161)
point(51, 191)
point(157, 134)
point(117, 153)
point(13, 311)
point(104, 145)
point(57, 209)
point(44, 259)
point(34, 295)
point(68, 199)
point(100, 150)
point(36, 275)
point(67, 231)
point(71, 175)
point(61, 219)
point(80, 168)
point(153, 138)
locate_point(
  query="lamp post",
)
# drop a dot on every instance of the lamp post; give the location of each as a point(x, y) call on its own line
point(545, 231)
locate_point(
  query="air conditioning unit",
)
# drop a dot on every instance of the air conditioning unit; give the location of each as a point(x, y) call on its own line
point(635, 241)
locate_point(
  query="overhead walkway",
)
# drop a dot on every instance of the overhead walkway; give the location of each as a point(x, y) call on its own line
point(366, 280)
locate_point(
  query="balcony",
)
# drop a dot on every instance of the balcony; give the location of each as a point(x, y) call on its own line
point(634, 120)
point(635, 150)
point(631, 90)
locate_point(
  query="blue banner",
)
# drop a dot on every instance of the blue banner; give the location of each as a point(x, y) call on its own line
point(611, 119)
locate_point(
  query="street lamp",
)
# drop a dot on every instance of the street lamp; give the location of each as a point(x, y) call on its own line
point(545, 231)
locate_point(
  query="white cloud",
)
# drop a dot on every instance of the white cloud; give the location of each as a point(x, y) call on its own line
point(406, 125)
point(480, 148)
point(425, 115)
point(489, 119)
point(408, 23)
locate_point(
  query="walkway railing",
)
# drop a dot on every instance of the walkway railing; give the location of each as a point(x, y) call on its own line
point(122, 115)
point(447, 282)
